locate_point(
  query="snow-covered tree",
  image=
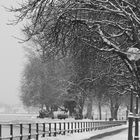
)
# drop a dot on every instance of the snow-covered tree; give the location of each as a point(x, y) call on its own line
point(67, 27)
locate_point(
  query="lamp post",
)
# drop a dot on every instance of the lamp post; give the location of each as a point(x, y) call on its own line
point(137, 120)
point(134, 55)
point(130, 118)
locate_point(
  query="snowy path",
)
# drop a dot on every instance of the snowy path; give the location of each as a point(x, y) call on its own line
point(120, 136)
point(116, 135)
point(121, 133)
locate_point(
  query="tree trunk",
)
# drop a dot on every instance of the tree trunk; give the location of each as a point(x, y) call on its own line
point(89, 108)
point(81, 112)
point(81, 104)
point(100, 110)
point(114, 110)
point(116, 114)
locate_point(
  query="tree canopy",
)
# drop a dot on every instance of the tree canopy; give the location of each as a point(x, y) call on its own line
point(105, 25)
point(96, 34)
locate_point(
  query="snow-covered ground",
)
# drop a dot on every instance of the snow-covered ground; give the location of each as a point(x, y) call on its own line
point(74, 136)
point(120, 136)
point(86, 135)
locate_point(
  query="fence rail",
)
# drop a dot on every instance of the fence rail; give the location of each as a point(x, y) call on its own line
point(23, 131)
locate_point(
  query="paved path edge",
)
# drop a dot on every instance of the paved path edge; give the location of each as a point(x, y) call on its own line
point(113, 132)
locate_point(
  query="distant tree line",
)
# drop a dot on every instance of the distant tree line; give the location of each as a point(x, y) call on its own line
point(68, 83)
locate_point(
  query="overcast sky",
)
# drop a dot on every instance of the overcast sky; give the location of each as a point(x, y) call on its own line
point(11, 56)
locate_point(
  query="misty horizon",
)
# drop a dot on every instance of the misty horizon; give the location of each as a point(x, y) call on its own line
point(11, 56)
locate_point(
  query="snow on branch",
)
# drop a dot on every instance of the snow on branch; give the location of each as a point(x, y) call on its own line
point(105, 40)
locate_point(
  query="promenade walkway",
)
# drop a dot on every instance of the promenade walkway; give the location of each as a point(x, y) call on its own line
point(114, 133)
point(120, 134)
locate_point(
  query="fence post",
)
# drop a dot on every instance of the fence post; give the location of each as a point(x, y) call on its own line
point(49, 129)
point(43, 130)
point(94, 125)
point(54, 129)
point(37, 131)
point(91, 126)
point(21, 131)
point(0, 132)
point(71, 127)
point(11, 131)
point(88, 126)
point(68, 127)
point(59, 128)
point(29, 131)
point(78, 127)
point(84, 127)
point(81, 126)
point(64, 128)
point(75, 126)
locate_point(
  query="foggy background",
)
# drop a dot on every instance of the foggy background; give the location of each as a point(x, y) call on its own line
point(11, 56)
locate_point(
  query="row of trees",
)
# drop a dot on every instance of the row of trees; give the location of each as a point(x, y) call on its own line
point(91, 39)
point(71, 82)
